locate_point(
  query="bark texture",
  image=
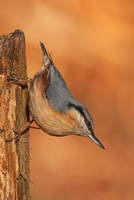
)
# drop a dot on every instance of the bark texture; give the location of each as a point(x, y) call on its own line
point(14, 156)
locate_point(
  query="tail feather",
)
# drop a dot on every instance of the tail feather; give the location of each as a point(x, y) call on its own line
point(43, 49)
point(46, 59)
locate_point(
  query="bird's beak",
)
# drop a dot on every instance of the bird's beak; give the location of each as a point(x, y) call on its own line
point(94, 139)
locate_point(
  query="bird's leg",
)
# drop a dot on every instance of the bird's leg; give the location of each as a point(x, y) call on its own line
point(34, 127)
point(19, 81)
point(20, 132)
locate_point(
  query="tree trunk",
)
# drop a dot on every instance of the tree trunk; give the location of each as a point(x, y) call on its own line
point(14, 156)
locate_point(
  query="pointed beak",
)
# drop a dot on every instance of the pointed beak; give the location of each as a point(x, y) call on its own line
point(95, 140)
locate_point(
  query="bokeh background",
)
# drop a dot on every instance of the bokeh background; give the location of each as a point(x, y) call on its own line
point(92, 45)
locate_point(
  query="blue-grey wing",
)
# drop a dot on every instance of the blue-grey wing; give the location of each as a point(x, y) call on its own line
point(57, 92)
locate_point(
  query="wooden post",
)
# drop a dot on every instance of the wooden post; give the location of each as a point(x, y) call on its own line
point(14, 156)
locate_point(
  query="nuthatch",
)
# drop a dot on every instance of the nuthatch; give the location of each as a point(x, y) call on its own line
point(53, 107)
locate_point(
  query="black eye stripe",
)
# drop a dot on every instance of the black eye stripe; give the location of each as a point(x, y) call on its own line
point(80, 110)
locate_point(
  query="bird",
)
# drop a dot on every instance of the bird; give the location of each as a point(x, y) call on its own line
point(53, 107)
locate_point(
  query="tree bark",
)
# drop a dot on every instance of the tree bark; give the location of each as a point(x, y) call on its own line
point(14, 156)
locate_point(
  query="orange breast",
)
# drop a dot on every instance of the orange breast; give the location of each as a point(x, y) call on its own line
point(48, 119)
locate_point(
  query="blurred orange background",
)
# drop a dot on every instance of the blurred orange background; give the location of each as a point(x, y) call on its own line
point(92, 45)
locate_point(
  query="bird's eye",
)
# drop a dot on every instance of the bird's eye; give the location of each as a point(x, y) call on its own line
point(80, 110)
point(90, 127)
